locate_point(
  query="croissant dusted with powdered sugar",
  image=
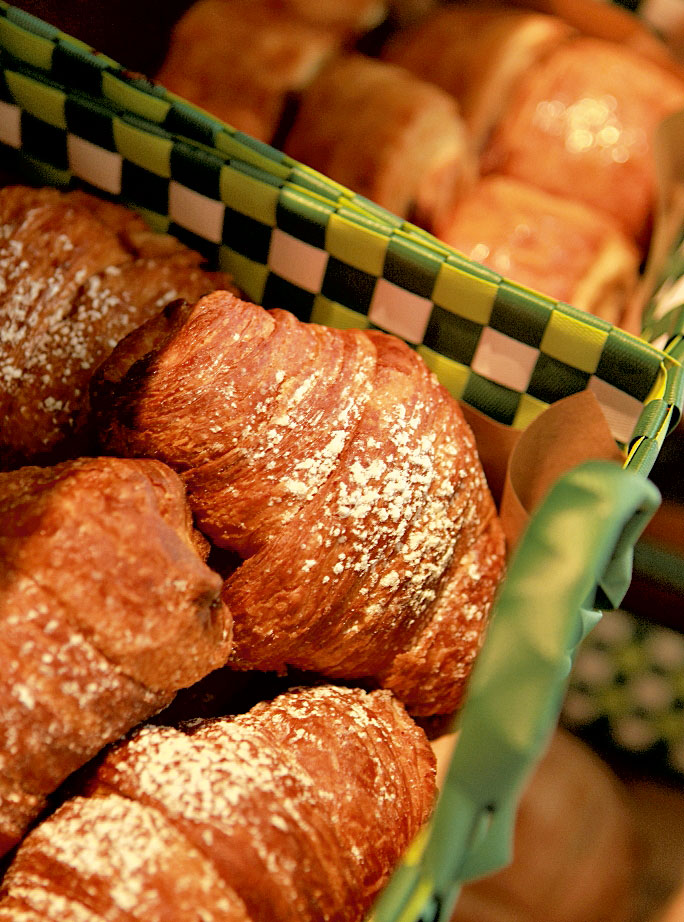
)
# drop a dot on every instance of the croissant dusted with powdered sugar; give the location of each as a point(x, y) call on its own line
point(106, 610)
point(338, 470)
point(298, 809)
point(76, 275)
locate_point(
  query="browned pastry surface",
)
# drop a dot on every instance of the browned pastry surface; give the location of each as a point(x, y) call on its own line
point(106, 610)
point(582, 123)
point(298, 809)
point(385, 134)
point(342, 474)
point(476, 52)
point(76, 275)
point(549, 243)
point(347, 16)
point(241, 60)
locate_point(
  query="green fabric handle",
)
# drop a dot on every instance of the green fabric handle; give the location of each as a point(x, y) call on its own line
point(576, 551)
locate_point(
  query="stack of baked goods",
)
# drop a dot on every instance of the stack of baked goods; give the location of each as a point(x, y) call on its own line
point(195, 485)
point(428, 117)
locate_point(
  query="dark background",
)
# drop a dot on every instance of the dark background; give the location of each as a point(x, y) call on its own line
point(133, 32)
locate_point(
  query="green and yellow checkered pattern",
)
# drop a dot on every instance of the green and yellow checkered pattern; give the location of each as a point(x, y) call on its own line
point(293, 238)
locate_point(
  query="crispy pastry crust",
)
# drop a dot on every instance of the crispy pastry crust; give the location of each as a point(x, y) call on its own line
point(395, 139)
point(76, 275)
point(298, 809)
point(554, 245)
point(106, 610)
point(477, 52)
point(342, 474)
point(242, 60)
point(582, 124)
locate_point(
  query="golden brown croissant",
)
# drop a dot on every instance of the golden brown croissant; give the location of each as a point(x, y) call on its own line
point(298, 809)
point(582, 123)
point(477, 52)
point(243, 60)
point(76, 275)
point(551, 244)
point(388, 136)
point(106, 610)
point(338, 469)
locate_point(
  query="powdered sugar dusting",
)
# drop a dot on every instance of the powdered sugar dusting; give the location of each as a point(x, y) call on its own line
point(129, 856)
point(70, 290)
point(240, 819)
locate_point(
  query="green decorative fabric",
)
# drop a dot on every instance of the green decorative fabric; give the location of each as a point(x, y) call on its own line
point(583, 533)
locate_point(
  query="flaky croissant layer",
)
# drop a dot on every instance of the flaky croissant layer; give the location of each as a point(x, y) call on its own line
point(106, 610)
point(299, 809)
point(339, 471)
point(76, 275)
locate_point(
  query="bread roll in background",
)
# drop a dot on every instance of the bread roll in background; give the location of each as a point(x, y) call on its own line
point(77, 274)
point(243, 61)
point(581, 123)
point(394, 139)
point(299, 808)
point(341, 474)
point(476, 53)
point(674, 910)
point(575, 848)
point(554, 245)
point(106, 610)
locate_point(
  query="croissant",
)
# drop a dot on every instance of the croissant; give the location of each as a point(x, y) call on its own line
point(551, 244)
point(76, 275)
point(394, 139)
point(341, 474)
point(582, 123)
point(298, 809)
point(476, 52)
point(107, 609)
point(244, 61)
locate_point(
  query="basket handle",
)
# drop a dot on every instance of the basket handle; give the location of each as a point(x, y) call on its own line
point(575, 554)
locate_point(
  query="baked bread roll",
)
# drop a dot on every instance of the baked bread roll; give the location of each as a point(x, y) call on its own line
point(299, 809)
point(477, 53)
point(575, 848)
point(378, 130)
point(76, 275)
point(338, 470)
point(562, 248)
point(243, 61)
point(106, 609)
point(581, 124)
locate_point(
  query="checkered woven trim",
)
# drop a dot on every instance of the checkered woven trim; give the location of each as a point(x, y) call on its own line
point(627, 690)
point(293, 238)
